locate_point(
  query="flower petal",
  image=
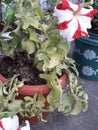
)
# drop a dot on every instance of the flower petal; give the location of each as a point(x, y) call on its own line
point(1, 125)
point(88, 12)
point(63, 25)
point(15, 122)
point(63, 15)
point(64, 34)
point(67, 5)
point(79, 32)
point(69, 32)
point(91, 13)
point(6, 122)
point(85, 22)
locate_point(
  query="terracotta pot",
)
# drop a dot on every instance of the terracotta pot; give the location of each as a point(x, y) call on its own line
point(29, 90)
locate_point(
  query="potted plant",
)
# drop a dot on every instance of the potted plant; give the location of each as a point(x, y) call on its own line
point(86, 51)
point(29, 37)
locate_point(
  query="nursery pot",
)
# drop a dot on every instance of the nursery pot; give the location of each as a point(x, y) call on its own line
point(86, 56)
point(30, 90)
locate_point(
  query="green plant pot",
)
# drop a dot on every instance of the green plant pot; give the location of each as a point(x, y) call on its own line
point(86, 56)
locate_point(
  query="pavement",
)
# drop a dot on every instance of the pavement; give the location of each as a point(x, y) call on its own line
point(85, 121)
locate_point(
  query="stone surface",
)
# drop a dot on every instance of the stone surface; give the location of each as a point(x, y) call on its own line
point(85, 121)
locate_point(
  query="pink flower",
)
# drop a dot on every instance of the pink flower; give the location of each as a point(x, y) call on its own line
point(73, 19)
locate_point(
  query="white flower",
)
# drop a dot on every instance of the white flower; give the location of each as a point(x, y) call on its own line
point(9, 123)
point(73, 19)
point(13, 124)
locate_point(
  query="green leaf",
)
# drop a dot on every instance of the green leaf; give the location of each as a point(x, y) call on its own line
point(54, 96)
point(41, 56)
point(28, 98)
point(85, 106)
point(43, 27)
point(39, 65)
point(30, 19)
point(66, 102)
point(51, 50)
point(15, 105)
point(10, 14)
point(54, 60)
point(77, 108)
point(33, 36)
point(28, 46)
point(65, 47)
point(46, 77)
point(46, 64)
point(41, 100)
point(34, 22)
point(40, 13)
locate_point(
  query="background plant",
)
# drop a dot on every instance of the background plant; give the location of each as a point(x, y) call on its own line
point(94, 21)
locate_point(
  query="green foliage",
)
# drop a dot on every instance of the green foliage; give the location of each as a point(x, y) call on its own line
point(95, 19)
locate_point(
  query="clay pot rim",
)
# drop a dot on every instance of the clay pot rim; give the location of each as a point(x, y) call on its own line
point(32, 89)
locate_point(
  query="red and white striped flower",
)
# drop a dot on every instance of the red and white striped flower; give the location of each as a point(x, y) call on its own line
point(9, 123)
point(13, 124)
point(73, 20)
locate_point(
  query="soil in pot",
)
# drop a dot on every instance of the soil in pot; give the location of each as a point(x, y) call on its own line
point(23, 66)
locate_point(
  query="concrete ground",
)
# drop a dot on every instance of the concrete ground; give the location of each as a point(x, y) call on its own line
point(84, 121)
